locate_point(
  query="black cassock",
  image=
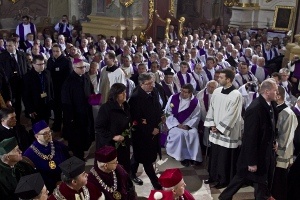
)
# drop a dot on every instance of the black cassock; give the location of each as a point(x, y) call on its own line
point(77, 113)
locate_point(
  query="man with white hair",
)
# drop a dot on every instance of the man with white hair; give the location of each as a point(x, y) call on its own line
point(259, 70)
point(173, 187)
point(247, 56)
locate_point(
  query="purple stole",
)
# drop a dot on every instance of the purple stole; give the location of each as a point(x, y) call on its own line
point(197, 83)
point(296, 111)
point(61, 29)
point(21, 30)
point(253, 70)
point(246, 60)
point(254, 96)
point(181, 80)
point(134, 67)
point(243, 79)
point(127, 90)
point(205, 99)
point(296, 73)
point(287, 89)
point(28, 44)
point(208, 74)
point(166, 88)
point(202, 51)
point(183, 115)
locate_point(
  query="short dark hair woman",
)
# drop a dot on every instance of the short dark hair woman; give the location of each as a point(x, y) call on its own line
point(112, 120)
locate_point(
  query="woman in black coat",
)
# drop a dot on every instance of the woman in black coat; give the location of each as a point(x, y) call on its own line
point(113, 119)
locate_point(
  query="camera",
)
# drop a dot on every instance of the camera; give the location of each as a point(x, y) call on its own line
point(252, 86)
point(64, 20)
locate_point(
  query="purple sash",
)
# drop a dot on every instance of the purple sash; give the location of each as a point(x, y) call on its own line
point(296, 111)
point(208, 74)
point(28, 44)
point(183, 115)
point(253, 70)
point(296, 73)
point(254, 96)
point(166, 89)
point(197, 83)
point(21, 31)
point(181, 80)
point(61, 29)
point(205, 100)
point(246, 60)
point(202, 51)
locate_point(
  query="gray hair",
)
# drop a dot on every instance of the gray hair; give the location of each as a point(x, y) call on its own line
point(284, 70)
point(267, 84)
point(212, 81)
point(144, 77)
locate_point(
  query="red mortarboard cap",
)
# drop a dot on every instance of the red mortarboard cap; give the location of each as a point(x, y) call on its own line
point(170, 178)
point(160, 195)
point(106, 154)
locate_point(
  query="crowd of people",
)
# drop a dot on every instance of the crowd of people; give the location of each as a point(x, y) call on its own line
point(209, 92)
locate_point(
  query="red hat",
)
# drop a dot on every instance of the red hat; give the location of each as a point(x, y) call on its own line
point(77, 60)
point(106, 154)
point(170, 178)
point(160, 195)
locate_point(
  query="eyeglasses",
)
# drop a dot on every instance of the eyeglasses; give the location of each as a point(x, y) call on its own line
point(81, 67)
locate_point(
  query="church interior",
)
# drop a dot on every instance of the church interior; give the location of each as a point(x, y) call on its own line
point(154, 19)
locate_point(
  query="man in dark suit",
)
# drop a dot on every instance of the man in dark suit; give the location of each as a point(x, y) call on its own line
point(14, 64)
point(233, 59)
point(145, 109)
point(38, 91)
point(60, 68)
point(78, 116)
point(256, 160)
point(9, 128)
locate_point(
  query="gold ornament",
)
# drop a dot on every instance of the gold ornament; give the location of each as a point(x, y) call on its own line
point(117, 195)
point(52, 164)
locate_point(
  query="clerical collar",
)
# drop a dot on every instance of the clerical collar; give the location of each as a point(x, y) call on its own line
point(6, 126)
point(296, 106)
point(112, 68)
point(280, 104)
point(227, 90)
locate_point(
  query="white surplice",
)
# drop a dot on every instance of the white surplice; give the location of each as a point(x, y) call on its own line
point(183, 144)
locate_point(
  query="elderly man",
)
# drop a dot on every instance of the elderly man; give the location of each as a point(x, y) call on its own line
point(173, 186)
point(225, 121)
point(168, 83)
point(259, 71)
point(46, 154)
point(74, 182)
point(12, 168)
point(183, 111)
point(77, 112)
point(32, 187)
point(109, 177)
point(204, 97)
point(286, 126)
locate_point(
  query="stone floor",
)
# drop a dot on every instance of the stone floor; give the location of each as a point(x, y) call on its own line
point(193, 177)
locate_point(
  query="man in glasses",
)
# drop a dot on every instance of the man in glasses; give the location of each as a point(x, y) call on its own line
point(46, 154)
point(77, 112)
point(38, 91)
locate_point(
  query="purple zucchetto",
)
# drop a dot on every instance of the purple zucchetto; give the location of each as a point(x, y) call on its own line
point(37, 127)
point(77, 60)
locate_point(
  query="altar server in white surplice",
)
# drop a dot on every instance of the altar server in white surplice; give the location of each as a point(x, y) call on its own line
point(225, 122)
point(183, 111)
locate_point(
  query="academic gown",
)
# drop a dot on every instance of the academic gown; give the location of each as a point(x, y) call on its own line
point(122, 179)
point(183, 144)
point(9, 178)
point(50, 176)
point(69, 193)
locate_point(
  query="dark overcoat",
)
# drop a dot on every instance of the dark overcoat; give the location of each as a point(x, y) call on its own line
point(77, 112)
point(146, 111)
point(257, 142)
